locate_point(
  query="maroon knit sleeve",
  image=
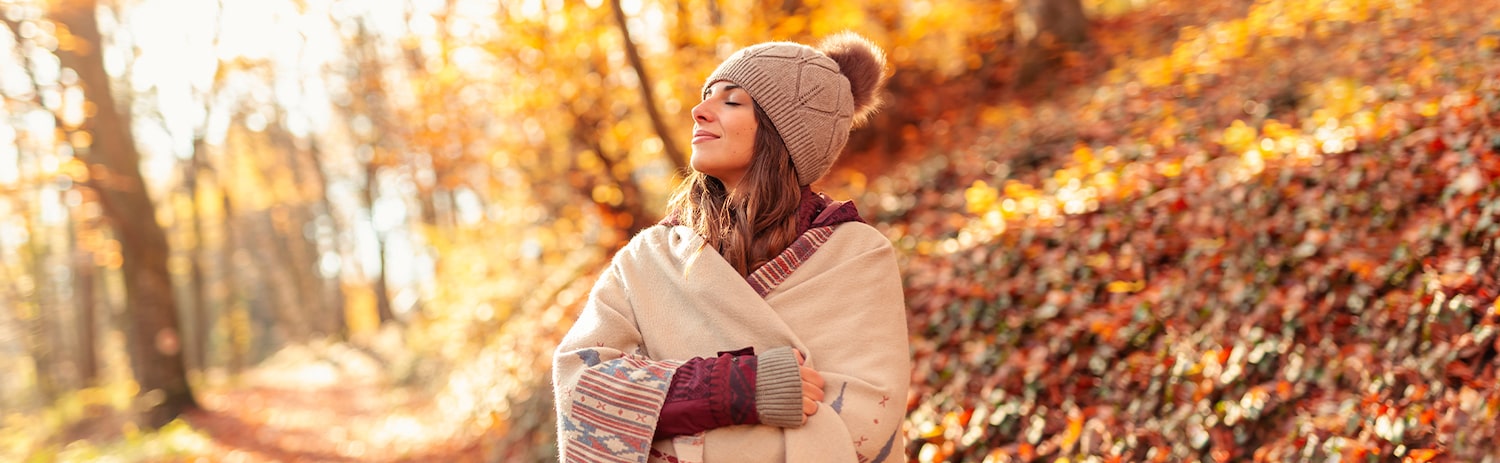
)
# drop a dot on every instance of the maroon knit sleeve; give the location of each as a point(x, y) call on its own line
point(710, 393)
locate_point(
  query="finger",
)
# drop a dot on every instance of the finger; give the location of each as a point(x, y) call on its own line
point(809, 406)
point(812, 392)
point(812, 376)
point(800, 358)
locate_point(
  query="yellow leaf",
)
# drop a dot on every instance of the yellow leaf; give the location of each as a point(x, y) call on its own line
point(1276, 129)
point(1118, 286)
point(1238, 137)
point(1428, 109)
point(1489, 43)
point(1014, 189)
point(930, 430)
point(1171, 169)
point(1157, 72)
point(1083, 155)
point(980, 197)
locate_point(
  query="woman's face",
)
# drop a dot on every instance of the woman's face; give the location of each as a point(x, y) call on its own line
point(724, 133)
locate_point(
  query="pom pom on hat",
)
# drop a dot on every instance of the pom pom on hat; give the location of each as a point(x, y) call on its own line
point(863, 64)
point(813, 96)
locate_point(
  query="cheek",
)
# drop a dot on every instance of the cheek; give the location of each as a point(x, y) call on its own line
point(744, 137)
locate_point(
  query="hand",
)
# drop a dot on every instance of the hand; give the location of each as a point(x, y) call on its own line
point(812, 386)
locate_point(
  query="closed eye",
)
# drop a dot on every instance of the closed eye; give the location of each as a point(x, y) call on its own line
point(710, 91)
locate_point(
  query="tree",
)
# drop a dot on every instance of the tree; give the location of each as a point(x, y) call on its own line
point(372, 105)
point(88, 316)
point(114, 165)
point(197, 352)
point(648, 99)
point(1045, 30)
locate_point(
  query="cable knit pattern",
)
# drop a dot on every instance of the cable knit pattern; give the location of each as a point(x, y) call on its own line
point(808, 100)
point(813, 102)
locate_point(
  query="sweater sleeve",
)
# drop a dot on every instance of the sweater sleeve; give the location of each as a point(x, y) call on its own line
point(778, 394)
point(709, 393)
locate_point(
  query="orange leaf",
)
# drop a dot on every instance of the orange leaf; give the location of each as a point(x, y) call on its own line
point(1421, 455)
point(1075, 429)
point(1283, 389)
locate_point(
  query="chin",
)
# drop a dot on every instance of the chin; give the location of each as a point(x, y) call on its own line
point(705, 167)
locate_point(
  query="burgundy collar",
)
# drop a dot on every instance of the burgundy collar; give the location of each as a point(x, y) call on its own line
point(819, 211)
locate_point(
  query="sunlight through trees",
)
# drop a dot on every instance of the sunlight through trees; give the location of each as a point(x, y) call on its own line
point(1130, 229)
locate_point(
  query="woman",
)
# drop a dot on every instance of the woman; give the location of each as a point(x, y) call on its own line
point(759, 321)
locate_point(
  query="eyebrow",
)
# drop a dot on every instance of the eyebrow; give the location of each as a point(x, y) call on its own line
point(710, 90)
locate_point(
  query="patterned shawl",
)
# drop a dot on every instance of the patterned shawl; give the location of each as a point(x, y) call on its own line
point(835, 294)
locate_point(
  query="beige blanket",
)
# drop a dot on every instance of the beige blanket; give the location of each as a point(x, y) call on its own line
point(665, 299)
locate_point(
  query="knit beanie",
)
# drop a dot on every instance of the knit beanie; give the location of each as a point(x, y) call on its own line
point(814, 96)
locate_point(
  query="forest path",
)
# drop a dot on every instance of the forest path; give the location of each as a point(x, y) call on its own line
point(305, 406)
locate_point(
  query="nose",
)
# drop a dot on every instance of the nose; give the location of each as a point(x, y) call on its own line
point(701, 113)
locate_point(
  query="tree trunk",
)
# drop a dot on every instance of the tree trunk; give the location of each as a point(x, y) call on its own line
point(197, 352)
point(715, 14)
point(372, 105)
point(279, 276)
point(1045, 30)
point(648, 97)
point(268, 316)
point(288, 244)
point(42, 337)
point(114, 165)
point(382, 293)
point(334, 294)
point(39, 341)
point(301, 251)
point(235, 306)
point(84, 282)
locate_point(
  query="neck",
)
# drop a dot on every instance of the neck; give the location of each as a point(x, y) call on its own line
point(730, 182)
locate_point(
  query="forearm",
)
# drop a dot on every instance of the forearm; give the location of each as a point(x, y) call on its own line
point(709, 393)
point(734, 388)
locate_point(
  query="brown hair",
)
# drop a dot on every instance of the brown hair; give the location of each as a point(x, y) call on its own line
point(756, 222)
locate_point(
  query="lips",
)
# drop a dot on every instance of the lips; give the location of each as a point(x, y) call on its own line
point(701, 136)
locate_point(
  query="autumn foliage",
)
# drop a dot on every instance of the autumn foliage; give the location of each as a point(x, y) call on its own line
point(1250, 230)
point(1281, 248)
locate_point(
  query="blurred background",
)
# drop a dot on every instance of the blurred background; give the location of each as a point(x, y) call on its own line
point(1130, 230)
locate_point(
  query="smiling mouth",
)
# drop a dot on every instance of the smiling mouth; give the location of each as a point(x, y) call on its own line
point(703, 136)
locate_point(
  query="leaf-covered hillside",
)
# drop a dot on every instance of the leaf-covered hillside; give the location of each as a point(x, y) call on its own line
point(1275, 242)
